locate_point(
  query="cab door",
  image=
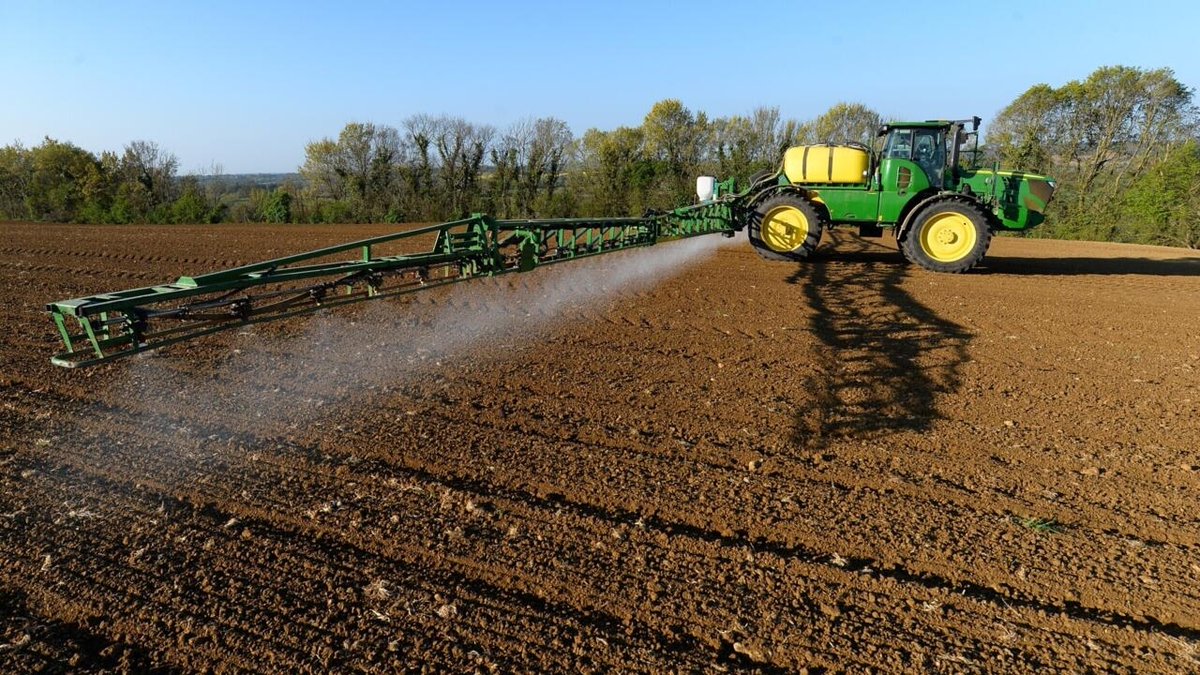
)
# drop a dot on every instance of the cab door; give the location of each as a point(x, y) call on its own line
point(900, 174)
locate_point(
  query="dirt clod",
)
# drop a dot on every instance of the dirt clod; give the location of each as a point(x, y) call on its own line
point(447, 611)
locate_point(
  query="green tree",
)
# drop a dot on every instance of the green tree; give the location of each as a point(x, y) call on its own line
point(16, 175)
point(843, 123)
point(743, 146)
point(1163, 205)
point(529, 161)
point(416, 173)
point(359, 169)
point(191, 207)
point(461, 149)
point(59, 173)
point(277, 207)
point(614, 174)
point(146, 182)
point(676, 139)
point(99, 187)
point(1022, 134)
point(1096, 136)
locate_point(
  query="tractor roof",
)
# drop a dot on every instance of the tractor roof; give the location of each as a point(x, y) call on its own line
point(930, 124)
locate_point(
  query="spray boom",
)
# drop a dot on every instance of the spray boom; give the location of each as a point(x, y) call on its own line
point(99, 328)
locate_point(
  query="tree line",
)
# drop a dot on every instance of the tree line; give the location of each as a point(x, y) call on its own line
point(434, 168)
point(429, 168)
point(1122, 144)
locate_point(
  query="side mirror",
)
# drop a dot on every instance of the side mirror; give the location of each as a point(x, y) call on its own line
point(883, 130)
point(975, 123)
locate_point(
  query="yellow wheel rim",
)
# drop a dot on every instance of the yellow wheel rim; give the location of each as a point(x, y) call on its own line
point(948, 237)
point(784, 229)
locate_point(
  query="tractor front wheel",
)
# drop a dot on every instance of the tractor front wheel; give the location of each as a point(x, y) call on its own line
point(785, 227)
point(950, 236)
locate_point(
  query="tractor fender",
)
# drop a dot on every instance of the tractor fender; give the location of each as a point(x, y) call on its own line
point(773, 190)
point(776, 190)
point(919, 205)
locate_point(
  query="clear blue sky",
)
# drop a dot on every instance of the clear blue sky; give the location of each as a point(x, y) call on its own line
point(247, 84)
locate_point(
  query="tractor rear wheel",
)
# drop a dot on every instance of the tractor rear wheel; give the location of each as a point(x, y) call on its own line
point(950, 236)
point(785, 227)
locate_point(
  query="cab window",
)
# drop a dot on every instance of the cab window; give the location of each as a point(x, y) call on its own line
point(929, 151)
point(899, 144)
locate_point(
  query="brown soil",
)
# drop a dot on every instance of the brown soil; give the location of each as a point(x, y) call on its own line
point(849, 464)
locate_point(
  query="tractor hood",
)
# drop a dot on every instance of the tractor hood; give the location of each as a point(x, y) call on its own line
point(1018, 199)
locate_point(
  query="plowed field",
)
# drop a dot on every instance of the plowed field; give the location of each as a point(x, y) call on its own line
point(681, 458)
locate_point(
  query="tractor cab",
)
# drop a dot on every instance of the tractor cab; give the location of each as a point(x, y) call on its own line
point(935, 146)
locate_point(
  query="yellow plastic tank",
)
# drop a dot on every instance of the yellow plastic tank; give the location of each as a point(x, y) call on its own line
point(826, 164)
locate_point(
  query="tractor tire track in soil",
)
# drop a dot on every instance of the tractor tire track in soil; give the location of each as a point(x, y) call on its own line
point(848, 464)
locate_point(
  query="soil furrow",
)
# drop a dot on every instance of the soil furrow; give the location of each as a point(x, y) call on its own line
point(846, 465)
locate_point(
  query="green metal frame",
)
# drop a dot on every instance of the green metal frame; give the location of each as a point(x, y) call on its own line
point(107, 326)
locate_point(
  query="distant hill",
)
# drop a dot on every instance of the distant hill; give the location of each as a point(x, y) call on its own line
point(265, 181)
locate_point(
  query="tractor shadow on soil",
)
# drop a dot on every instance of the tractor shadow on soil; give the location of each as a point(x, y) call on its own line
point(1174, 267)
point(53, 645)
point(885, 357)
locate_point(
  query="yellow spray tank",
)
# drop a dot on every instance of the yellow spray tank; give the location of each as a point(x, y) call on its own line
point(844, 164)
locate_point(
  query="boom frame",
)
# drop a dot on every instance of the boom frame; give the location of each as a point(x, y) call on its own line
point(100, 328)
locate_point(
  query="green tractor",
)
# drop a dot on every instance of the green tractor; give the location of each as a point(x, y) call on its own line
point(943, 212)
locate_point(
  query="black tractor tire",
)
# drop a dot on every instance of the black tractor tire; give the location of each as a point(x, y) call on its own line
point(786, 227)
point(949, 236)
